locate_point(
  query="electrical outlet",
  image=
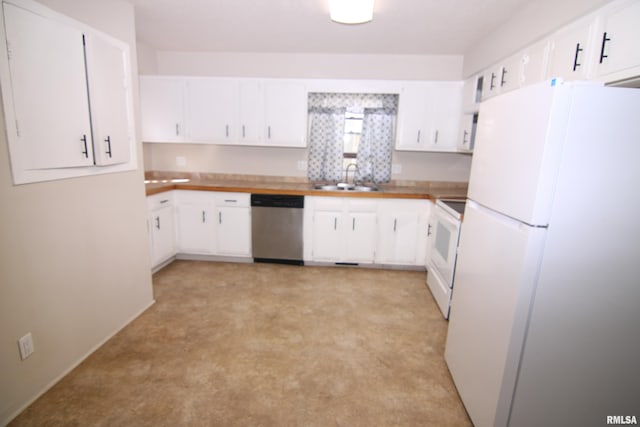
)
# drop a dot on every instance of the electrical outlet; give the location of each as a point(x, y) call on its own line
point(25, 344)
point(396, 168)
point(302, 165)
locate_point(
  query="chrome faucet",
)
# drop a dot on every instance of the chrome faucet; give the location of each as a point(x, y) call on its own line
point(346, 173)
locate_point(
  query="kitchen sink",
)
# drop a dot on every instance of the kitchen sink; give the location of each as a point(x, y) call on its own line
point(342, 186)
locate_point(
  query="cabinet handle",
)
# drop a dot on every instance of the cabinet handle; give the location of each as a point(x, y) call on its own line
point(493, 78)
point(158, 222)
point(353, 224)
point(177, 129)
point(219, 217)
point(575, 57)
point(464, 139)
point(502, 80)
point(243, 133)
point(395, 223)
point(226, 131)
point(85, 151)
point(164, 201)
point(418, 140)
point(230, 201)
point(429, 230)
point(435, 139)
point(108, 141)
point(335, 223)
point(605, 39)
point(269, 132)
point(203, 217)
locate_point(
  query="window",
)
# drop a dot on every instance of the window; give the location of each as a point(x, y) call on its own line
point(351, 128)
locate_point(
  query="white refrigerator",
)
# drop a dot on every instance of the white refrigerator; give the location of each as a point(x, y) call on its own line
point(544, 327)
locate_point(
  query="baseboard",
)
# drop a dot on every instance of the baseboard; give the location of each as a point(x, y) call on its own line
point(74, 365)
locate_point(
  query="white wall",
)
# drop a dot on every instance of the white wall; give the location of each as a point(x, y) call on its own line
point(75, 262)
point(534, 21)
point(284, 162)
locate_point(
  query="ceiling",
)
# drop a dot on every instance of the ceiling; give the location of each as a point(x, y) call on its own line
point(421, 27)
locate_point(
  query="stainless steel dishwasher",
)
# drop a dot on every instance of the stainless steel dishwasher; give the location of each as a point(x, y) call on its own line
point(276, 228)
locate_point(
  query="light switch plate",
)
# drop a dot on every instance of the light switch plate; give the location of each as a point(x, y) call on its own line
point(25, 344)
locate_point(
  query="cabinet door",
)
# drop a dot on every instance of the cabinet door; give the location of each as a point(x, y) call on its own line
point(49, 91)
point(406, 231)
point(196, 228)
point(447, 106)
point(285, 114)
point(491, 82)
point(211, 108)
point(467, 134)
point(251, 110)
point(534, 63)
point(510, 74)
point(233, 233)
point(414, 113)
point(361, 237)
point(618, 40)
point(327, 236)
point(110, 94)
point(568, 52)
point(161, 106)
point(162, 235)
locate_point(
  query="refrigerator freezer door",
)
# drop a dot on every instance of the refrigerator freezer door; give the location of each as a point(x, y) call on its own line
point(518, 146)
point(497, 268)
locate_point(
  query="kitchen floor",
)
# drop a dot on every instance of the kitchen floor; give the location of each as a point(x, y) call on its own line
point(267, 345)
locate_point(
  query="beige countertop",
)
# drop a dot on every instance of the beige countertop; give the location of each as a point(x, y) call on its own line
point(158, 182)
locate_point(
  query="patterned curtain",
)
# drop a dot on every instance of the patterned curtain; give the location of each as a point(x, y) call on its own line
point(326, 140)
point(376, 144)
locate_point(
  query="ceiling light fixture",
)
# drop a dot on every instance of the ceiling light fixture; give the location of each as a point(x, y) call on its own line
point(351, 11)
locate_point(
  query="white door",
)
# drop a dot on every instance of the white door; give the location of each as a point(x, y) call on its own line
point(211, 109)
point(162, 234)
point(495, 277)
point(414, 111)
point(618, 40)
point(111, 109)
point(196, 228)
point(234, 231)
point(161, 107)
point(568, 52)
point(327, 236)
point(285, 114)
point(49, 88)
point(361, 236)
point(251, 116)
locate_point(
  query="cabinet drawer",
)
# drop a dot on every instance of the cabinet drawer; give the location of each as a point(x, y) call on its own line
point(233, 199)
point(160, 200)
point(191, 197)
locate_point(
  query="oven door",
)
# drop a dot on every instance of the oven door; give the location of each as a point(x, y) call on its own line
point(444, 244)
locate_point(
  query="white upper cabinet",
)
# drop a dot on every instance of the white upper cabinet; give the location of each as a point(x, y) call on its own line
point(533, 61)
point(162, 109)
point(285, 114)
point(224, 111)
point(47, 91)
point(569, 51)
point(66, 95)
point(212, 109)
point(112, 116)
point(618, 54)
point(428, 116)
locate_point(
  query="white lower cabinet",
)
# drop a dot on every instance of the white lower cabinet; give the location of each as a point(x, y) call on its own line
point(195, 225)
point(402, 231)
point(161, 224)
point(366, 231)
point(206, 223)
point(233, 228)
point(343, 229)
